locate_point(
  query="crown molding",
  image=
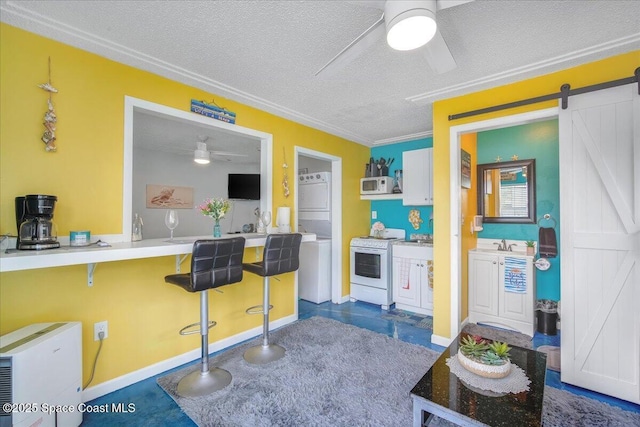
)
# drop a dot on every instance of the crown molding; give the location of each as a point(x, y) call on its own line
point(403, 138)
point(505, 76)
point(13, 14)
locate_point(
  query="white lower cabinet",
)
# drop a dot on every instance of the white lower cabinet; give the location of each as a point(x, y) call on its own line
point(502, 290)
point(413, 278)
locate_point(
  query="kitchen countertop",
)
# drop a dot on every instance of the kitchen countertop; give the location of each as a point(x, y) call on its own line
point(413, 243)
point(148, 248)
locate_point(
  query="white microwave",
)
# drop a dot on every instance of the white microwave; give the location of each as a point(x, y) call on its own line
point(376, 185)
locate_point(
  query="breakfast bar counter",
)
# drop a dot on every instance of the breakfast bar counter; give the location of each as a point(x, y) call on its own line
point(15, 260)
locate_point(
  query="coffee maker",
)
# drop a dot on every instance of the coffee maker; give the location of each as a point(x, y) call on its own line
point(36, 230)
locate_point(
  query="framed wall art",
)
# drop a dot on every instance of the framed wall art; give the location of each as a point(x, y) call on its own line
point(169, 196)
point(465, 169)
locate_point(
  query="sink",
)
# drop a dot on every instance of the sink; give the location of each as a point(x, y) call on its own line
point(497, 252)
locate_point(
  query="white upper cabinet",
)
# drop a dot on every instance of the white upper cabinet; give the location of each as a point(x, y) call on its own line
point(417, 177)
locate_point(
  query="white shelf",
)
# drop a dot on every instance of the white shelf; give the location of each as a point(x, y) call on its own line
point(392, 196)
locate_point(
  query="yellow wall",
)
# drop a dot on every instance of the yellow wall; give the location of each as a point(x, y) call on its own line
point(612, 68)
point(469, 208)
point(85, 173)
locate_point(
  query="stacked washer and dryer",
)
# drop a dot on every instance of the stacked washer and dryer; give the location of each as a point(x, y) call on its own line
point(314, 216)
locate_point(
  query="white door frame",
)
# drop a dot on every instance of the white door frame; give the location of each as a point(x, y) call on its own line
point(455, 219)
point(336, 216)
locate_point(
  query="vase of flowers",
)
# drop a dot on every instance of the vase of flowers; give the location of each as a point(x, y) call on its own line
point(378, 229)
point(216, 209)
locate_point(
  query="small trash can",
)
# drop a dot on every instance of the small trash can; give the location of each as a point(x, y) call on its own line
point(547, 316)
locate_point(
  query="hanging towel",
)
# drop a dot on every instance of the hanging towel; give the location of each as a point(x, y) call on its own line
point(515, 279)
point(547, 244)
point(405, 267)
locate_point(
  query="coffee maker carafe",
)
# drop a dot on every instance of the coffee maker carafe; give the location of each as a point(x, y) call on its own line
point(36, 230)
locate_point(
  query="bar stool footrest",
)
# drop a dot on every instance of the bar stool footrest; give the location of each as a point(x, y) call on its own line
point(257, 309)
point(185, 331)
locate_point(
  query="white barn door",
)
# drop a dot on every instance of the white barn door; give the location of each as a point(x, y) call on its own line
point(600, 241)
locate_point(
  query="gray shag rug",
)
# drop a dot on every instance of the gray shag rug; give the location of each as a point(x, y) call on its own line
point(334, 374)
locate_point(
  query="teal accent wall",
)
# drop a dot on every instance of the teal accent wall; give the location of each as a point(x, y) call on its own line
point(538, 141)
point(391, 212)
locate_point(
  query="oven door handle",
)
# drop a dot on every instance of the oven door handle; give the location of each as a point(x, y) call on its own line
point(372, 251)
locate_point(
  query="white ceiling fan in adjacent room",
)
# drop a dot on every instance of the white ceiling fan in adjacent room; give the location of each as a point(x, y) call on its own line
point(202, 155)
point(408, 25)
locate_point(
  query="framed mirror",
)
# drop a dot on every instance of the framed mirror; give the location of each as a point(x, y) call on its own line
point(507, 192)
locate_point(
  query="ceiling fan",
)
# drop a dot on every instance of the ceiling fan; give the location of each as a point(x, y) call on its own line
point(202, 154)
point(417, 19)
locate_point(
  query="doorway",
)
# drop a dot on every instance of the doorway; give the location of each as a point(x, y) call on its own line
point(304, 161)
point(455, 135)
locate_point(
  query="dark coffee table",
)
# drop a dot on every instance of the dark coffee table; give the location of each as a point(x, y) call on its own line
point(440, 393)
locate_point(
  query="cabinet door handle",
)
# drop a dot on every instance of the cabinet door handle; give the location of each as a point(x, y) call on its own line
point(494, 262)
point(502, 263)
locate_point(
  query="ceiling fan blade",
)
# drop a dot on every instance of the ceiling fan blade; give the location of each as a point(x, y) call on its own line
point(438, 55)
point(363, 42)
point(446, 4)
point(227, 153)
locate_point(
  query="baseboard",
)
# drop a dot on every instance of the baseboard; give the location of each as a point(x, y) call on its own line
point(190, 356)
point(441, 341)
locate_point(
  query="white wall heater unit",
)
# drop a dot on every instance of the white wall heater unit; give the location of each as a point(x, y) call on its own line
point(41, 375)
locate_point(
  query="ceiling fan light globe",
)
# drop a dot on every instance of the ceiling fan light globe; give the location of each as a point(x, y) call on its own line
point(201, 157)
point(409, 24)
point(411, 33)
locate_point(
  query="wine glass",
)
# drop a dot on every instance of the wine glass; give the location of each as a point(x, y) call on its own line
point(171, 220)
point(266, 219)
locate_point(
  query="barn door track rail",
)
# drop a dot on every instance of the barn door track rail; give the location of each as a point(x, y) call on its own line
point(564, 94)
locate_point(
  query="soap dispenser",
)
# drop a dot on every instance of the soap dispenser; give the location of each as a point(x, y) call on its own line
point(136, 229)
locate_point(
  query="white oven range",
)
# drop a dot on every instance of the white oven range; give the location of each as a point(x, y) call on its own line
point(370, 267)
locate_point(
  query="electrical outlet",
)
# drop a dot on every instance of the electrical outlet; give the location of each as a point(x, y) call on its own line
point(100, 327)
point(374, 214)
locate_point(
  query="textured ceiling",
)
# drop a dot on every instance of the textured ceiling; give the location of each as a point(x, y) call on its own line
point(265, 53)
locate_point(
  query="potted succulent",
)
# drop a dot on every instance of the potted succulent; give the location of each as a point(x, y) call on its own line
point(489, 359)
point(531, 250)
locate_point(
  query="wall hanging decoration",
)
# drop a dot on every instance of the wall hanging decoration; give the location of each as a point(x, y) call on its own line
point(465, 169)
point(212, 110)
point(169, 196)
point(414, 218)
point(285, 179)
point(50, 118)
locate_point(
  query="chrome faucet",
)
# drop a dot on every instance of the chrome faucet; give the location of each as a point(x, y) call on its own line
point(502, 246)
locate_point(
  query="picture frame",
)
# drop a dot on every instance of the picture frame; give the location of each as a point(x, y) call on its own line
point(169, 197)
point(465, 169)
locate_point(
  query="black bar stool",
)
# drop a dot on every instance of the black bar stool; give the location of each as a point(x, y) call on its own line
point(214, 263)
point(281, 255)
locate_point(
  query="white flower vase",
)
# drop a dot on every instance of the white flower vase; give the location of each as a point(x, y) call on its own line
point(486, 371)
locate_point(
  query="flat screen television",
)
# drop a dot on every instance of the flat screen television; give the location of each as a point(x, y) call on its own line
point(244, 186)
